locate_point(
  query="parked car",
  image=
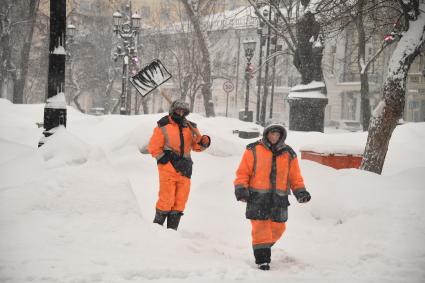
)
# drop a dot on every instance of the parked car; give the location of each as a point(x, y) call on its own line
point(349, 125)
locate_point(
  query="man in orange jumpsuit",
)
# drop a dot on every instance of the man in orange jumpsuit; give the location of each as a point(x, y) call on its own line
point(267, 173)
point(171, 144)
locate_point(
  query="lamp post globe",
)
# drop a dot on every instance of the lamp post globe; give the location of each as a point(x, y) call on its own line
point(136, 20)
point(117, 16)
point(70, 30)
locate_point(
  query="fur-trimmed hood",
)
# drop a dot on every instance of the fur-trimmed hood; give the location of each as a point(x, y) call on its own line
point(274, 127)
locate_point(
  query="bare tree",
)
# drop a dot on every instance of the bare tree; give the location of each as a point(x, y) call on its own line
point(91, 69)
point(17, 22)
point(5, 43)
point(369, 19)
point(390, 108)
point(194, 11)
point(22, 69)
point(296, 22)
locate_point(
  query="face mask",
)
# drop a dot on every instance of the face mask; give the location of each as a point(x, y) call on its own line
point(177, 118)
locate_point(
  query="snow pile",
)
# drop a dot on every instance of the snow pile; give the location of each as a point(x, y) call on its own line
point(80, 208)
point(58, 101)
point(334, 149)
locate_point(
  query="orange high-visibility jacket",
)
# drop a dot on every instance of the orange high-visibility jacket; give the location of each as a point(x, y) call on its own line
point(265, 180)
point(166, 136)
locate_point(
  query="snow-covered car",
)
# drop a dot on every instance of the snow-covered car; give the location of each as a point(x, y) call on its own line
point(349, 125)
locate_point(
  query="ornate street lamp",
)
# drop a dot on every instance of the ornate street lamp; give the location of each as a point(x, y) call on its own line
point(127, 26)
point(136, 20)
point(70, 30)
point(70, 33)
point(249, 48)
point(117, 16)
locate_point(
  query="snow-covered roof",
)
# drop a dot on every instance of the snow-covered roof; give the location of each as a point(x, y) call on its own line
point(240, 18)
point(334, 149)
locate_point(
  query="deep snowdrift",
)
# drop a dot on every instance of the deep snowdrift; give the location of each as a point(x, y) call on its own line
point(80, 208)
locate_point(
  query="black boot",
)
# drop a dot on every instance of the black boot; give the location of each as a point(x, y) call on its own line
point(160, 218)
point(174, 219)
point(262, 258)
point(264, 266)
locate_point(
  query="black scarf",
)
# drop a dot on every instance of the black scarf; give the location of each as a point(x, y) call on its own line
point(178, 119)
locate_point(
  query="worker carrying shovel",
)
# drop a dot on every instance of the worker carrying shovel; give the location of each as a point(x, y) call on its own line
point(171, 143)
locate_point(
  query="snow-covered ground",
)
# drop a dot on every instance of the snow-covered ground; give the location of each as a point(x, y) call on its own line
point(80, 208)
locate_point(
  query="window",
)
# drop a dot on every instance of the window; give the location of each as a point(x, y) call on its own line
point(85, 6)
point(414, 79)
point(164, 15)
point(278, 80)
point(333, 55)
point(146, 12)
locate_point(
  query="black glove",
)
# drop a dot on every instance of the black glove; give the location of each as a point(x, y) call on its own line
point(242, 194)
point(302, 196)
point(205, 141)
point(164, 159)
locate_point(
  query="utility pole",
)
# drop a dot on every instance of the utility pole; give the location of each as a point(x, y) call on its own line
point(260, 62)
point(276, 48)
point(266, 76)
point(237, 70)
point(55, 109)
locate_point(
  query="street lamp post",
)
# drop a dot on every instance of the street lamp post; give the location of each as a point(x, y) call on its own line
point(261, 32)
point(55, 108)
point(69, 42)
point(249, 47)
point(266, 70)
point(127, 26)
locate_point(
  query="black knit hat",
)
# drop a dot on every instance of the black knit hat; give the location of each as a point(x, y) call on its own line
point(179, 104)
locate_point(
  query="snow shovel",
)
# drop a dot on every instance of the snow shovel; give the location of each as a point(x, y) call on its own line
point(151, 77)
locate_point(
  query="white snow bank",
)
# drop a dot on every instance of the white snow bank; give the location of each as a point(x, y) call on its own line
point(307, 94)
point(312, 85)
point(81, 208)
point(57, 102)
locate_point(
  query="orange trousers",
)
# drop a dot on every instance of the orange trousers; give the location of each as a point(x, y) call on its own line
point(266, 232)
point(173, 189)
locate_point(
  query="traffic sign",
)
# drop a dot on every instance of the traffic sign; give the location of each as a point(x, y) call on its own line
point(227, 86)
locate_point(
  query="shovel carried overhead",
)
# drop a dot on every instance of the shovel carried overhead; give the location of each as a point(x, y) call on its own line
point(150, 78)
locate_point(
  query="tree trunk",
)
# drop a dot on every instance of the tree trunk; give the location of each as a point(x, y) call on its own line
point(361, 61)
point(145, 105)
point(206, 61)
point(4, 62)
point(382, 127)
point(108, 92)
point(77, 103)
point(6, 49)
point(78, 90)
point(365, 101)
point(390, 109)
point(18, 91)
